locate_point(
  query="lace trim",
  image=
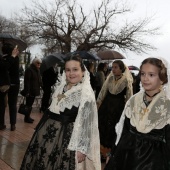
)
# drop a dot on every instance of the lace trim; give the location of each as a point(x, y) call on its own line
point(71, 98)
point(155, 116)
point(116, 87)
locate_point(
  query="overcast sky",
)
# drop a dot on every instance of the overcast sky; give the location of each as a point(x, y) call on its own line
point(142, 8)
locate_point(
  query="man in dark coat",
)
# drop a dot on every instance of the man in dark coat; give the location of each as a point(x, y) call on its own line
point(49, 78)
point(9, 76)
point(32, 85)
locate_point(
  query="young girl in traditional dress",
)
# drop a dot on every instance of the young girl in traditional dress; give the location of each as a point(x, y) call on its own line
point(145, 140)
point(116, 90)
point(67, 136)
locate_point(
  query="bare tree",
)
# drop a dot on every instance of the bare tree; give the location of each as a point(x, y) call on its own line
point(7, 25)
point(12, 27)
point(63, 26)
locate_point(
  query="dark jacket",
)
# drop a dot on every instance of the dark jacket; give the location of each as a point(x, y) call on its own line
point(32, 81)
point(49, 77)
point(14, 71)
point(5, 63)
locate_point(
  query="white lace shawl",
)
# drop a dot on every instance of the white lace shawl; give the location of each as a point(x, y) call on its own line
point(85, 135)
point(116, 87)
point(145, 119)
point(155, 116)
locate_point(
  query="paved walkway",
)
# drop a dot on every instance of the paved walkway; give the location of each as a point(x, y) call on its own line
point(14, 143)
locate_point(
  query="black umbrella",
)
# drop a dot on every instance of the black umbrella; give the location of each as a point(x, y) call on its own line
point(51, 60)
point(84, 55)
point(11, 39)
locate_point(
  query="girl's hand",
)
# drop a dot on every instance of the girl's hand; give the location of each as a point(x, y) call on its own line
point(80, 157)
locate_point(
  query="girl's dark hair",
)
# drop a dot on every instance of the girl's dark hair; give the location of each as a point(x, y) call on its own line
point(160, 65)
point(75, 57)
point(120, 64)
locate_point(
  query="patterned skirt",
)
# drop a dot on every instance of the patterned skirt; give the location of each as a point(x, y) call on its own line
point(48, 147)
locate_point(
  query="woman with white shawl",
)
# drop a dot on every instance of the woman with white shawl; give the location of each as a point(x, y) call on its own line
point(116, 90)
point(67, 136)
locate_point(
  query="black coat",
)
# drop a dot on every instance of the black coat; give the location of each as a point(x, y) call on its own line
point(49, 77)
point(32, 81)
point(14, 72)
point(5, 63)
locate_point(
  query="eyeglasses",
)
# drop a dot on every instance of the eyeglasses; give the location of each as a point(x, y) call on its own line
point(38, 63)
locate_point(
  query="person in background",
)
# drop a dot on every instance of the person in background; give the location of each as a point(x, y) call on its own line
point(143, 140)
point(106, 69)
point(32, 85)
point(9, 76)
point(49, 78)
point(4, 86)
point(100, 78)
point(91, 69)
point(67, 136)
point(116, 90)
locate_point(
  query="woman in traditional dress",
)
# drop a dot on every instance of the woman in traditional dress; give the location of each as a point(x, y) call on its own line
point(67, 136)
point(145, 139)
point(116, 90)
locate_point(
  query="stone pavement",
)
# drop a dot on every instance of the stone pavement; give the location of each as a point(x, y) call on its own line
point(14, 143)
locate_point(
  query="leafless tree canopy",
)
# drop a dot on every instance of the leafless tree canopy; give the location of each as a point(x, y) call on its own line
point(12, 27)
point(64, 26)
point(7, 25)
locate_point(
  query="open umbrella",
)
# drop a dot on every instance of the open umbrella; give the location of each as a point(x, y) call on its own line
point(11, 39)
point(84, 55)
point(51, 60)
point(110, 55)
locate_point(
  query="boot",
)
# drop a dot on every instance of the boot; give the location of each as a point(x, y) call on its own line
point(13, 127)
point(27, 119)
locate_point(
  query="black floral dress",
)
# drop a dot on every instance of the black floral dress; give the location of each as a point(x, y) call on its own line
point(48, 147)
point(138, 151)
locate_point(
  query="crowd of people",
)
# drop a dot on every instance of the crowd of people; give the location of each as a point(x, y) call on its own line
point(94, 114)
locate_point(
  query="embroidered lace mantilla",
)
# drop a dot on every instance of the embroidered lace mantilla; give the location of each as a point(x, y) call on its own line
point(145, 119)
point(85, 135)
point(116, 87)
point(155, 116)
